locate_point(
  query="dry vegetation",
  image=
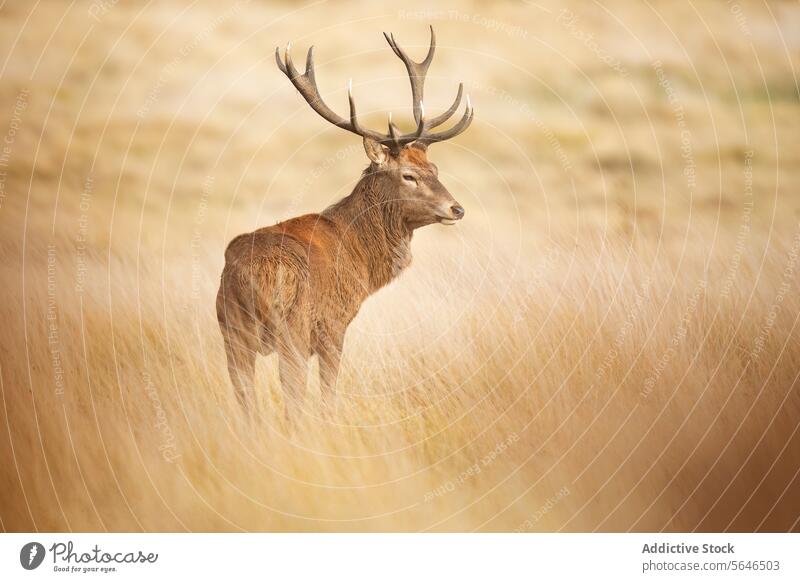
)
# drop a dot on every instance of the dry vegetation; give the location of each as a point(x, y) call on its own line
point(608, 341)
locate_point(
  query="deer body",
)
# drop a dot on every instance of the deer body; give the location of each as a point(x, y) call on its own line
point(293, 288)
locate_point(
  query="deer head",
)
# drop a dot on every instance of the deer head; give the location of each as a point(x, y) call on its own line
point(398, 160)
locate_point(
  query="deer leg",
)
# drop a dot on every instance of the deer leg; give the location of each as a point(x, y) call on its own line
point(236, 326)
point(241, 368)
point(330, 356)
point(293, 369)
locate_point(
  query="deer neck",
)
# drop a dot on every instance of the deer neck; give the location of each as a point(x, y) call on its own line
point(374, 230)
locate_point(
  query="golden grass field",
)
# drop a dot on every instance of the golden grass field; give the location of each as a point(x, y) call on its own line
point(609, 341)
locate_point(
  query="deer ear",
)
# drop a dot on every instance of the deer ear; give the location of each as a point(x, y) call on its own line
point(376, 151)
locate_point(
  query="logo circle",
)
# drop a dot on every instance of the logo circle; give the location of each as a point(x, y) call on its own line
point(31, 555)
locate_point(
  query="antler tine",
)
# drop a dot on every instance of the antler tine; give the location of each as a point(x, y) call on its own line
point(310, 64)
point(440, 119)
point(416, 71)
point(288, 61)
point(278, 60)
point(353, 117)
point(392, 44)
point(393, 133)
point(399, 141)
point(462, 124)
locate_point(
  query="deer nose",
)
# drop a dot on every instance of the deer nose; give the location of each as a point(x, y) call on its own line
point(458, 211)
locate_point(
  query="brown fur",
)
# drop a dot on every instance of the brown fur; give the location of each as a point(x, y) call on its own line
point(293, 288)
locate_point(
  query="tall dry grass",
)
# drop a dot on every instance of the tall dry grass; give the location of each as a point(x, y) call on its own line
point(600, 345)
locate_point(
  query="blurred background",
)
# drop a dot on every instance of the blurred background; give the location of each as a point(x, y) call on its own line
point(609, 336)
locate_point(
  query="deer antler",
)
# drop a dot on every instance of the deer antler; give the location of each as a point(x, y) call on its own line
point(307, 86)
point(416, 74)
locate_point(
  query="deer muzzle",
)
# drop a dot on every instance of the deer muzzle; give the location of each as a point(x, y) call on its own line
point(456, 213)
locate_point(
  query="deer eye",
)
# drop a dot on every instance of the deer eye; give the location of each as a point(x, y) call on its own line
point(410, 178)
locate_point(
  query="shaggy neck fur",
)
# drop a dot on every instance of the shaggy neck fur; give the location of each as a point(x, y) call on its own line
point(373, 227)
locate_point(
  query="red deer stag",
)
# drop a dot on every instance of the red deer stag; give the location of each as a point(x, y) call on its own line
point(295, 287)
